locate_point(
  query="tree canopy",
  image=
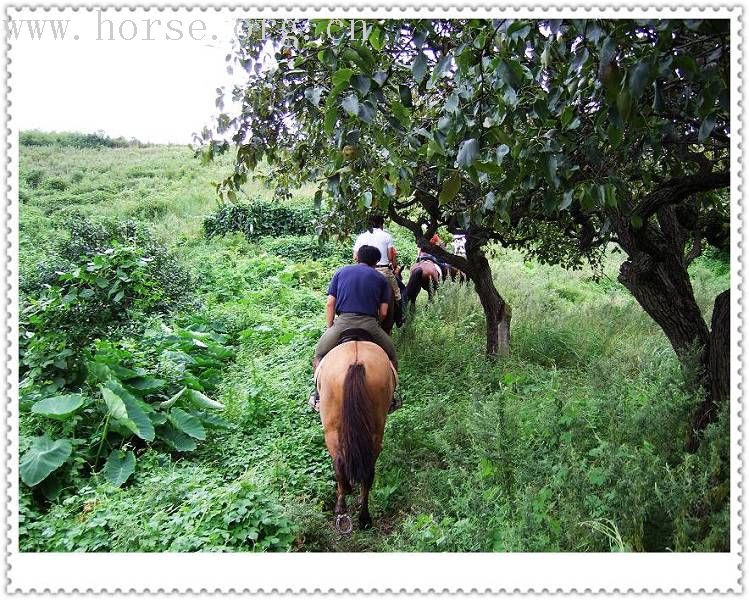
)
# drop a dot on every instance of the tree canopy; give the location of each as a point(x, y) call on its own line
point(556, 137)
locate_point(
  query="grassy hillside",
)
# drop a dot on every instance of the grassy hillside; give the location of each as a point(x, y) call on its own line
point(574, 443)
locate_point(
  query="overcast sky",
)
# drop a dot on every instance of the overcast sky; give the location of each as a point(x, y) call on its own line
point(156, 91)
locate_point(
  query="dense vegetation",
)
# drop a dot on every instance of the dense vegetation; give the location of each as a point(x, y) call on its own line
point(574, 442)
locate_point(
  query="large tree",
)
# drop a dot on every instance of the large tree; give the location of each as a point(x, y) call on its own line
point(557, 137)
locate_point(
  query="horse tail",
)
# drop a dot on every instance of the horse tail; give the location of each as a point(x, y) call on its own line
point(357, 428)
point(414, 284)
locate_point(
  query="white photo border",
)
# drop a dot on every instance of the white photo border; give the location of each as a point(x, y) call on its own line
point(369, 572)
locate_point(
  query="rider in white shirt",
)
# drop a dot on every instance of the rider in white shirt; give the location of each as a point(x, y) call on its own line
point(379, 238)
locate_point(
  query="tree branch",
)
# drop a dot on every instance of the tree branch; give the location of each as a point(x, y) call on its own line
point(676, 190)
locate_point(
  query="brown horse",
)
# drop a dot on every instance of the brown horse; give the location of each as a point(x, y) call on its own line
point(425, 275)
point(356, 385)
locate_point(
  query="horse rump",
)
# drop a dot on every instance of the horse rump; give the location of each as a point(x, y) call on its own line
point(357, 428)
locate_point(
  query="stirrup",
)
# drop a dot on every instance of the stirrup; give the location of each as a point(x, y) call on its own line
point(314, 401)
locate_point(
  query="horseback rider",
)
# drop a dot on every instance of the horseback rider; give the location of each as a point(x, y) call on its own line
point(424, 255)
point(358, 298)
point(376, 236)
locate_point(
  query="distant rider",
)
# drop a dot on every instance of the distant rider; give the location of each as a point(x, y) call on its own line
point(379, 238)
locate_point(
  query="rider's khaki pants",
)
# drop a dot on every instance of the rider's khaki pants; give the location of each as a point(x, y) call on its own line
point(345, 321)
point(388, 273)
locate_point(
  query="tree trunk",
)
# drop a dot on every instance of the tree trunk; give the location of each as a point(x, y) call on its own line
point(664, 291)
point(496, 310)
point(717, 366)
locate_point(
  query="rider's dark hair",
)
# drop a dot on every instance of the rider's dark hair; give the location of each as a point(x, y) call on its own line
point(376, 222)
point(369, 255)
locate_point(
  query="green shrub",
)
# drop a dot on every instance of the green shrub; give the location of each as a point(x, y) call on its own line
point(122, 405)
point(179, 509)
point(300, 249)
point(56, 184)
point(34, 177)
point(150, 209)
point(107, 277)
point(259, 219)
point(94, 299)
point(75, 140)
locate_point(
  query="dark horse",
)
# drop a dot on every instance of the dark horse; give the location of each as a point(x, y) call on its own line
point(356, 384)
point(427, 275)
point(389, 321)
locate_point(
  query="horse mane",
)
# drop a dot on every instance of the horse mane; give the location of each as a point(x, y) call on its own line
point(357, 428)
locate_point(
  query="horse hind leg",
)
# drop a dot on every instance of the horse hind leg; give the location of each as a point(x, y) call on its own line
point(342, 488)
point(365, 520)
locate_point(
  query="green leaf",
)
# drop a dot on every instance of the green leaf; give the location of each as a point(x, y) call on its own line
point(566, 117)
point(139, 423)
point(706, 128)
point(419, 68)
point(351, 105)
point(169, 403)
point(213, 420)
point(624, 103)
point(546, 56)
point(489, 201)
point(467, 153)
point(342, 76)
point(450, 188)
point(615, 135)
point(636, 221)
point(116, 406)
point(177, 439)
point(610, 195)
point(442, 66)
point(566, 200)
point(331, 108)
point(361, 83)
point(327, 57)
point(401, 113)
point(145, 385)
point(58, 407)
point(502, 151)
point(42, 458)
point(313, 94)
point(377, 38)
point(119, 466)
point(366, 112)
point(125, 409)
point(638, 79)
point(451, 105)
point(331, 116)
point(199, 399)
point(187, 423)
point(488, 167)
point(606, 55)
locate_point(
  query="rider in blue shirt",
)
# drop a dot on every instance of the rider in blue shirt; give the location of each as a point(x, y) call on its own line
point(358, 298)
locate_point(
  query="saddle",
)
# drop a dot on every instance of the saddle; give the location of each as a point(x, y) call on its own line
point(430, 258)
point(354, 334)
